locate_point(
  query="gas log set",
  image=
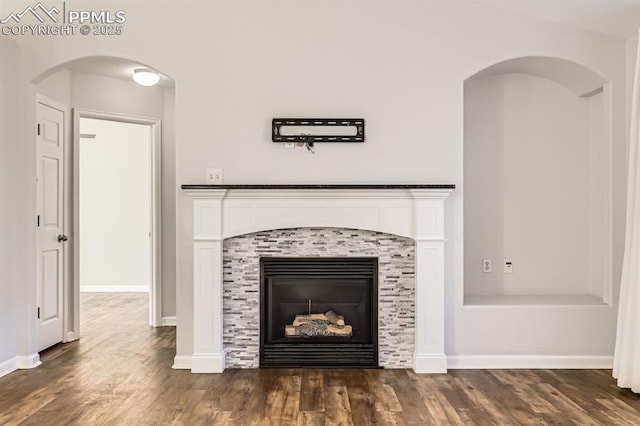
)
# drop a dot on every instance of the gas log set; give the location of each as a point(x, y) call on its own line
point(312, 325)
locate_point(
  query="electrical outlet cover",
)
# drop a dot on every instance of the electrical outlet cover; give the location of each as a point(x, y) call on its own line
point(213, 176)
point(508, 267)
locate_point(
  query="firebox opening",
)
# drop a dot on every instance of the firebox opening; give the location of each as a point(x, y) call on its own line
point(318, 312)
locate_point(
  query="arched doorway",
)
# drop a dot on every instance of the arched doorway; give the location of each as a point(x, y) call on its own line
point(102, 89)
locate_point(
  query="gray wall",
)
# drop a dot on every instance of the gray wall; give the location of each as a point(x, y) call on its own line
point(169, 188)
point(9, 188)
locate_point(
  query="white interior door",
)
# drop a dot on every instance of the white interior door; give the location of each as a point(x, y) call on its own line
point(50, 221)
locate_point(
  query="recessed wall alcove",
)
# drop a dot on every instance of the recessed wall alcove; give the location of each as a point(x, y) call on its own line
point(537, 138)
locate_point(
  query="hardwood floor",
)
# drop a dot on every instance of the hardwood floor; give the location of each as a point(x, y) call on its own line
point(120, 374)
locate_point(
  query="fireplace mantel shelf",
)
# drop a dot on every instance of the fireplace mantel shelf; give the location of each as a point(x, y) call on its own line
point(321, 186)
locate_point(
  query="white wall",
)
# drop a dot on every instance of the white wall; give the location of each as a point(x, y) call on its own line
point(57, 87)
point(484, 185)
point(8, 210)
point(400, 65)
point(115, 187)
point(535, 166)
point(631, 52)
point(599, 192)
point(106, 94)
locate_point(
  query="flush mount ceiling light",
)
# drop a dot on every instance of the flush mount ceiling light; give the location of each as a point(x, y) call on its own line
point(145, 77)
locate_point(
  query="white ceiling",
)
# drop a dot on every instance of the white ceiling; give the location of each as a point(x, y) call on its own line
point(619, 18)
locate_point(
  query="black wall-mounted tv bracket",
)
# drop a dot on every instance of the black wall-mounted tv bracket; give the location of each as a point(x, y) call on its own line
point(308, 138)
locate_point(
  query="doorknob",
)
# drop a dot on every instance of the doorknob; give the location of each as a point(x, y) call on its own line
point(62, 238)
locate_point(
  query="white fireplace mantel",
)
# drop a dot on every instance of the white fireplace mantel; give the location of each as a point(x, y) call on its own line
point(223, 211)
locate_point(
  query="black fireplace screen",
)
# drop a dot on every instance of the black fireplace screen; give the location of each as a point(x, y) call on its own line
point(339, 295)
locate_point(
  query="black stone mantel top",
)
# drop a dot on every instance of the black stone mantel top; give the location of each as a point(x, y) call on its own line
point(322, 186)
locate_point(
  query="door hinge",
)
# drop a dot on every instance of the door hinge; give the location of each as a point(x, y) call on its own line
point(38, 220)
point(38, 313)
point(38, 129)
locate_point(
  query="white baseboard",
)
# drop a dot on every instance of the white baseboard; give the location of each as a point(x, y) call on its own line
point(8, 366)
point(210, 363)
point(429, 363)
point(199, 363)
point(19, 363)
point(182, 362)
point(71, 336)
point(114, 289)
point(168, 322)
point(497, 362)
point(28, 361)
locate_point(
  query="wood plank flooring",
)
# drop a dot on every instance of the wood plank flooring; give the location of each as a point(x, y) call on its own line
point(120, 373)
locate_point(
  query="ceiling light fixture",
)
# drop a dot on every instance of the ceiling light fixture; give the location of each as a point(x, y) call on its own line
point(146, 77)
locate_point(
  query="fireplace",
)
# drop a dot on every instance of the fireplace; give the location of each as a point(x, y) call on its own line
point(294, 288)
point(225, 324)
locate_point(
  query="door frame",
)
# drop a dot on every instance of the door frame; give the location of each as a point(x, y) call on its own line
point(67, 334)
point(155, 288)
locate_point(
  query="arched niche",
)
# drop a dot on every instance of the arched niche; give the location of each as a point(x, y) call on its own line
point(577, 78)
point(537, 137)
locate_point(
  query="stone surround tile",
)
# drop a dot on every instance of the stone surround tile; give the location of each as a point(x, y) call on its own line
point(241, 281)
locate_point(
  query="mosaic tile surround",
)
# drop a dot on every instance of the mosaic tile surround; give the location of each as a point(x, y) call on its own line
point(396, 281)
